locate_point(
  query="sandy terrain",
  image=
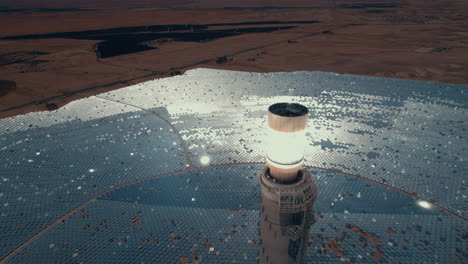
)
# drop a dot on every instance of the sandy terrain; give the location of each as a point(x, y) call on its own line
point(410, 40)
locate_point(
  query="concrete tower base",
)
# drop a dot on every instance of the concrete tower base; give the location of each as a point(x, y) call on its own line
point(286, 218)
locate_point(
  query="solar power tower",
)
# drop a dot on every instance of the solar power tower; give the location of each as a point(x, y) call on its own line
point(288, 190)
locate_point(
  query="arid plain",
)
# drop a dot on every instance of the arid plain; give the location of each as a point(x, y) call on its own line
point(55, 52)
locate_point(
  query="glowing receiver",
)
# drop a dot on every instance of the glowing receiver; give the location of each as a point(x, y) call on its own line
point(286, 140)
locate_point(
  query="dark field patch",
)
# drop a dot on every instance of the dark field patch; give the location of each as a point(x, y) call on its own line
point(127, 40)
point(20, 57)
point(6, 86)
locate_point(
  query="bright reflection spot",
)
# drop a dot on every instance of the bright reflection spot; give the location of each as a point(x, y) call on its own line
point(91, 170)
point(198, 108)
point(424, 204)
point(193, 199)
point(205, 160)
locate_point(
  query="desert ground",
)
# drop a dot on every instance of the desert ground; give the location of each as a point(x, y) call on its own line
point(55, 52)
